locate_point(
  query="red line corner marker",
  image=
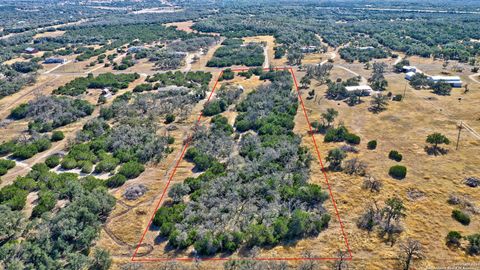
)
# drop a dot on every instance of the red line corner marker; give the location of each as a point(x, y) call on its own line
point(143, 259)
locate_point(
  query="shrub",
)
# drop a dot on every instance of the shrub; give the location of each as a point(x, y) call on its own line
point(57, 136)
point(398, 171)
point(214, 107)
point(169, 118)
point(116, 181)
point(352, 138)
point(25, 183)
point(461, 217)
point(46, 202)
point(86, 166)
point(19, 112)
point(474, 244)
point(131, 169)
point(242, 125)
point(336, 134)
point(397, 98)
point(170, 140)
point(7, 147)
point(227, 74)
point(7, 164)
point(108, 164)
point(372, 145)
point(395, 156)
point(203, 161)
point(25, 151)
point(69, 163)
point(453, 238)
point(13, 197)
point(52, 161)
point(42, 144)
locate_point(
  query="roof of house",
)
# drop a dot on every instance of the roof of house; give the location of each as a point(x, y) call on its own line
point(445, 78)
point(411, 73)
point(409, 67)
point(359, 88)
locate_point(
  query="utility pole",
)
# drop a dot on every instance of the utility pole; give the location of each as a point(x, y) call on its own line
point(460, 127)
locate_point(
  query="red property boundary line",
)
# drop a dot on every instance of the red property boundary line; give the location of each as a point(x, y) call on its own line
point(142, 259)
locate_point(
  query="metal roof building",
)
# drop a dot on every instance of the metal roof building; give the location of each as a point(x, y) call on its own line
point(454, 81)
point(363, 90)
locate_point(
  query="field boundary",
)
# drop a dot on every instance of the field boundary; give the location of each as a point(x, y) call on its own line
point(319, 156)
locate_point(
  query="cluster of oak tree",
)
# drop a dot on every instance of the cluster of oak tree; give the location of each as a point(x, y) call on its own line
point(259, 196)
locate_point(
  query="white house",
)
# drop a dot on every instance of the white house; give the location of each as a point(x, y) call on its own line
point(53, 60)
point(365, 48)
point(361, 90)
point(308, 49)
point(135, 49)
point(454, 81)
point(409, 69)
point(409, 75)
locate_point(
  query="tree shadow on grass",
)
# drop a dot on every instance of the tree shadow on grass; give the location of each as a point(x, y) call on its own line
point(435, 151)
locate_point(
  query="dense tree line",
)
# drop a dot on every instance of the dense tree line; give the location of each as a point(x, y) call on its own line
point(6, 165)
point(11, 81)
point(43, 242)
point(193, 44)
point(268, 178)
point(25, 147)
point(363, 55)
point(234, 52)
point(125, 136)
point(225, 96)
point(425, 34)
point(188, 79)
point(166, 59)
point(80, 85)
point(49, 112)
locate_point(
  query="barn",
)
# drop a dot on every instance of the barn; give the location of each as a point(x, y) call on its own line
point(454, 81)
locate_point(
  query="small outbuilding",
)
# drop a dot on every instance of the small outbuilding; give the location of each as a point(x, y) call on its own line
point(55, 61)
point(409, 75)
point(30, 50)
point(135, 49)
point(308, 49)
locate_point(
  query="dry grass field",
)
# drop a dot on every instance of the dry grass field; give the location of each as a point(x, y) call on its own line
point(182, 26)
point(404, 127)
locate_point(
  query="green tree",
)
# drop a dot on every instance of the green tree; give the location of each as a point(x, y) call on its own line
point(169, 118)
point(393, 211)
point(10, 224)
point(131, 169)
point(57, 136)
point(436, 139)
point(101, 260)
point(305, 81)
point(329, 116)
point(378, 103)
point(453, 238)
point(335, 158)
point(473, 244)
point(442, 88)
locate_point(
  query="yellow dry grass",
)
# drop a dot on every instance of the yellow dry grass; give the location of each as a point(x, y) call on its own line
point(56, 33)
point(404, 127)
point(182, 26)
